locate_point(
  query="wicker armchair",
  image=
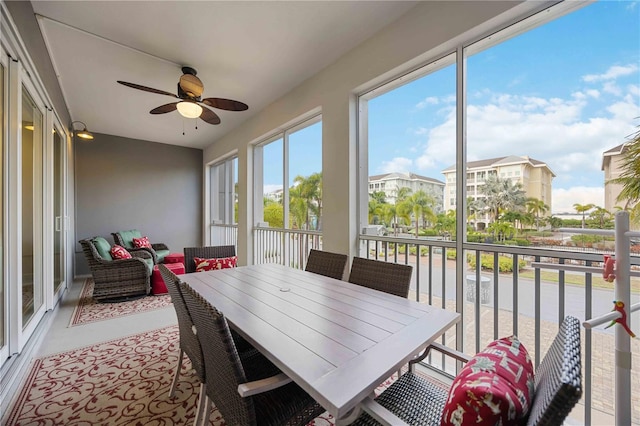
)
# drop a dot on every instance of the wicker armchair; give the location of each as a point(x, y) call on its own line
point(326, 263)
point(209, 252)
point(558, 387)
point(393, 278)
point(117, 278)
point(244, 394)
point(125, 239)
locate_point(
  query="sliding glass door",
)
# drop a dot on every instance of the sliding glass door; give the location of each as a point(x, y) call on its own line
point(32, 130)
point(58, 211)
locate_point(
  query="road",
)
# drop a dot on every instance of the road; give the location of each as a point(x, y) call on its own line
point(574, 301)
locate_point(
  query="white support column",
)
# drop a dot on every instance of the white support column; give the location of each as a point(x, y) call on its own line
point(622, 292)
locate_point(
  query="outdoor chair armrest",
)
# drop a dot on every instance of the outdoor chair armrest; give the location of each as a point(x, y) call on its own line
point(263, 385)
point(159, 246)
point(141, 254)
point(381, 414)
point(443, 349)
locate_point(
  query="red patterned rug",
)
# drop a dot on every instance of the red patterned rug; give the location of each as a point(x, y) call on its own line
point(120, 382)
point(89, 310)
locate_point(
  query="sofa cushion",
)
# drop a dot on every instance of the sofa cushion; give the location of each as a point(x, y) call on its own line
point(161, 254)
point(119, 252)
point(215, 263)
point(103, 247)
point(495, 387)
point(128, 236)
point(142, 242)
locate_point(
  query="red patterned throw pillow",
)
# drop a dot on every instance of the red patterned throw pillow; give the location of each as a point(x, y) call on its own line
point(119, 252)
point(495, 387)
point(215, 263)
point(142, 242)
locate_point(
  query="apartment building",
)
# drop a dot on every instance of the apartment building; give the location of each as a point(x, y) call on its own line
point(534, 176)
point(391, 183)
point(612, 168)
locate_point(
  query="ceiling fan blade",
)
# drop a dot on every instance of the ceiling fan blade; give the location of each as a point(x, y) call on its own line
point(162, 109)
point(225, 104)
point(209, 116)
point(147, 89)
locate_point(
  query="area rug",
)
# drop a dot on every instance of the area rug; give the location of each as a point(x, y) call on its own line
point(89, 310)
point(120, 382)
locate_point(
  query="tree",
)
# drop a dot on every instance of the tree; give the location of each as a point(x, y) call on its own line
point(377, 200)
point(390, 215)
point(445, 223)
point(273, 214)
point(601, 216)
point(501, 195)
point(501, 230)
point(417, 205)
point(536, 207)
point(583, 208)
point(309, 189)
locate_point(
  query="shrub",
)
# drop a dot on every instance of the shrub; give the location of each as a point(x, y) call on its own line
point(505, 263)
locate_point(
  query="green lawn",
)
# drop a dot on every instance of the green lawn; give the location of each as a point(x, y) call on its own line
point(578, 279)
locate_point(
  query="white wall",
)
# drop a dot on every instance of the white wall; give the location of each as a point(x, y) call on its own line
point(419, 36)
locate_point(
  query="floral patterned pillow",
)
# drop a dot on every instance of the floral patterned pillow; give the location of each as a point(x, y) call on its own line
point(142, 242)
point(119, 252)
point(215, 263)
point(495, 387)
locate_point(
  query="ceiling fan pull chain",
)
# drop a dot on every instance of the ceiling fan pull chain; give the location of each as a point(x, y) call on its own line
point(183, 127)
point(196, 123)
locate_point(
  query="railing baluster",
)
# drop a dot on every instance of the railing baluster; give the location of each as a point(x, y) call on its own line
point(536, 316)
point(588, 368)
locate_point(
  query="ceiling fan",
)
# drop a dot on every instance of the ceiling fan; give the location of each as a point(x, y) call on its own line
point(191, 105)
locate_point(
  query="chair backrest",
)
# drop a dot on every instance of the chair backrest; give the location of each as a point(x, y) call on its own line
point(222, 363)
point(189, 342)
point(125, 238)
point(558, 378)
point(209, 252)
point(392, 278)
point(326, 263)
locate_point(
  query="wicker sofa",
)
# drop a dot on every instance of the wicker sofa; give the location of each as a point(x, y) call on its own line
point(125, 239)
point(116, 278)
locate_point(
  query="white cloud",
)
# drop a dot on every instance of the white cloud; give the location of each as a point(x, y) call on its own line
point(397, 164)
point(633, 89)
point(269, 188)
point(611, 87)
point(612, 73)
point(550, 130)
point(562, 200)
point(431, 100)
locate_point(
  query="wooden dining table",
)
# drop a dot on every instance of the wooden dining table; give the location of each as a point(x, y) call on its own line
point(338, 341)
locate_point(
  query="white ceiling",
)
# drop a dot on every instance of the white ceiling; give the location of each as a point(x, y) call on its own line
point(250, 51)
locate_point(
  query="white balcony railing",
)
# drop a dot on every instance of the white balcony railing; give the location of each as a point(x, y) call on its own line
point(525, 301)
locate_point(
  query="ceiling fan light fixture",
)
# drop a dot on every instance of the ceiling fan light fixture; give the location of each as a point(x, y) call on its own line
point(189, 109)
point(84, 133)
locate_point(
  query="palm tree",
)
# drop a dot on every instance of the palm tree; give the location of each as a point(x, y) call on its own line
point(390, 216)
point(601, 215)
point(418, 205)
point(501, 195)
point(583, 208)
point(536, 207)
point(309, 189)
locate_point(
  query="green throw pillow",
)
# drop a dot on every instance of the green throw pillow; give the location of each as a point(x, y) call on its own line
point(103, 248)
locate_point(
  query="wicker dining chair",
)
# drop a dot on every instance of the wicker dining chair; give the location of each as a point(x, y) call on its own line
point(245, 396)
point(190, 344)
point(393, 278)
point(558, 387)
point(326, 263)
point(207, 252)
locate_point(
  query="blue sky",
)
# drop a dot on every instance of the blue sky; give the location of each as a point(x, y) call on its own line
point(562, 93)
